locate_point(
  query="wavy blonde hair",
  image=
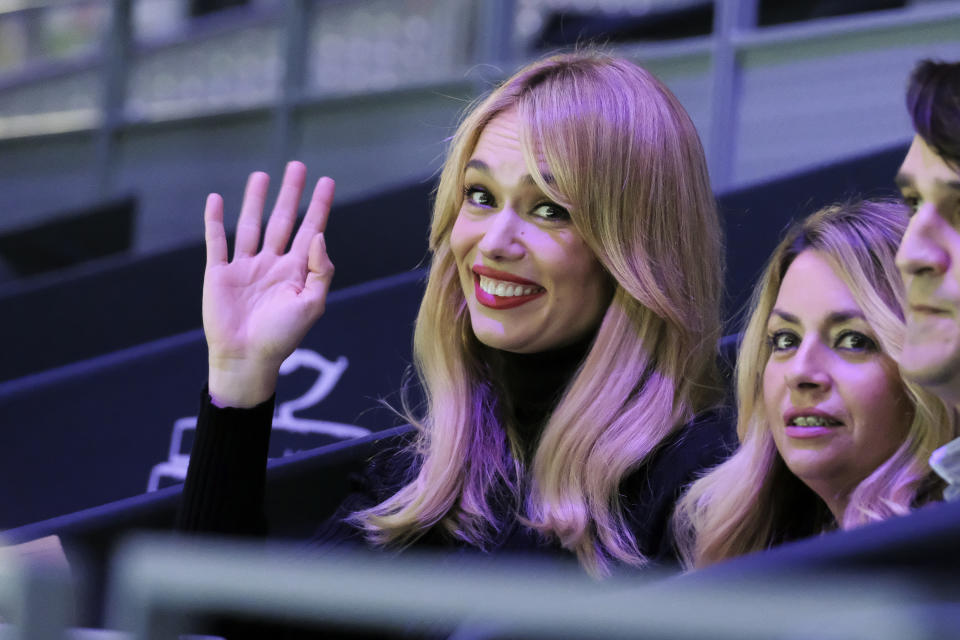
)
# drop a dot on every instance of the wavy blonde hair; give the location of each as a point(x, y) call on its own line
point(752, 501)
point(626, 161)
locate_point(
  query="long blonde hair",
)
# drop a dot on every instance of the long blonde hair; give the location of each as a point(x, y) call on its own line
point(626, 160)
point(752, 501)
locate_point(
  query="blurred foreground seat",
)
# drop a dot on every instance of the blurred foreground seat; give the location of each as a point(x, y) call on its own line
point(895, 579)
point(302, 491)
point(36, 597)
point(163, 587)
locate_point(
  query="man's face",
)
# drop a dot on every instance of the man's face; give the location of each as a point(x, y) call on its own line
point(929, 260)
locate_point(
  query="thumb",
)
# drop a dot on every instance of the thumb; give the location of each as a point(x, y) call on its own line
point(319, 275)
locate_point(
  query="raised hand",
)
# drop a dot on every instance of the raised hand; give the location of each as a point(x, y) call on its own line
point(258, 306)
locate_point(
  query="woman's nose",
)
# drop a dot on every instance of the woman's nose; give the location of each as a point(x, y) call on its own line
point(501, 237)
point(920, 251)
point(808, 370)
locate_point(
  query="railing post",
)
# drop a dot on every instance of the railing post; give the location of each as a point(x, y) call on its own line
point(296, 30)
point(493, 37)
point(729, 18)
point(115, 56)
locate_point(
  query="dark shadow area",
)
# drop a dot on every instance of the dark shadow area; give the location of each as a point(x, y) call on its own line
point(772, 12)
point(70, 239)
point(567, 28)
point(662, 22)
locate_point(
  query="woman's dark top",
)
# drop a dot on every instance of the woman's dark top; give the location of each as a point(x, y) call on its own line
point(224, 490)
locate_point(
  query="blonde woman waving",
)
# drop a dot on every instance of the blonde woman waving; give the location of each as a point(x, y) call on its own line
point(566, 341)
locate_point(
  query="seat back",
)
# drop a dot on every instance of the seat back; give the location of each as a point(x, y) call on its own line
point(302, 491)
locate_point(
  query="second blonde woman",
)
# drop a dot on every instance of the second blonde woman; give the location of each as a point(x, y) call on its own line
point(565, 343)
point(830, 435)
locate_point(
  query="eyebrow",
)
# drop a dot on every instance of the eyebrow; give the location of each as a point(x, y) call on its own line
point(527, 179)
point(905, 181)
point(837, 317)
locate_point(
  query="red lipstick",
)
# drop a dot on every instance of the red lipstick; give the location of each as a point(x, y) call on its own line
point(496, 274)
point(493, 301)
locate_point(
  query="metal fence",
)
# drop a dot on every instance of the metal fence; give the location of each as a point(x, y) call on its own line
point(161, 588)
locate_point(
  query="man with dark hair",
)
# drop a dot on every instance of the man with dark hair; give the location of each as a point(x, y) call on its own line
point(929, 256)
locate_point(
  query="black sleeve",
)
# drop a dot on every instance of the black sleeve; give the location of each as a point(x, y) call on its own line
point(651, 493)
point(382, 475)
point(224, 489)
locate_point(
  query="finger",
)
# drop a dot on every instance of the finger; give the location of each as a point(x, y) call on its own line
point(216, 238)
point(248, 226)
point(284, 213)
point(315, 220)
point(319, 276)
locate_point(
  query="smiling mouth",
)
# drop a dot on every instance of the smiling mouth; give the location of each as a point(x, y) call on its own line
point(503, 289)
point(503, 294)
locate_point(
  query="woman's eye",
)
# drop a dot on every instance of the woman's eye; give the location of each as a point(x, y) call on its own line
point(551, 211)
point(911, 201)
point(783, 340)
point(855, 341)
point(478, 196)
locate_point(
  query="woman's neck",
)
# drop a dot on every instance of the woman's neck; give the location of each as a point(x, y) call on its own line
point(533, 384)
point(835, 500)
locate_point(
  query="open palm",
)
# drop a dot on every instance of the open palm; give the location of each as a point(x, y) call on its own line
point(258, 306)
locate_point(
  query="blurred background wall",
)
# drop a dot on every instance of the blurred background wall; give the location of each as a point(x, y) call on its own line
point(163, 101)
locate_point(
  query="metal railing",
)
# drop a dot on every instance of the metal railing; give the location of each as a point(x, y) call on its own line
point(159, 588)
point(295, 65)
point(164, 587)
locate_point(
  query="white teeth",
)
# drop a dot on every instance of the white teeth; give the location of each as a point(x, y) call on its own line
point(813, 421)
point(503, 289)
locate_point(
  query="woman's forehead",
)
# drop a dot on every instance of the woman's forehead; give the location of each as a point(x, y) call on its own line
point(500, 148)
point(501, 134)
point(812, 290)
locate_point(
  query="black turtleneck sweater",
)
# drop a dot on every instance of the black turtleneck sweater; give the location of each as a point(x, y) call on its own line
point(224, 490)
point(532, 384)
